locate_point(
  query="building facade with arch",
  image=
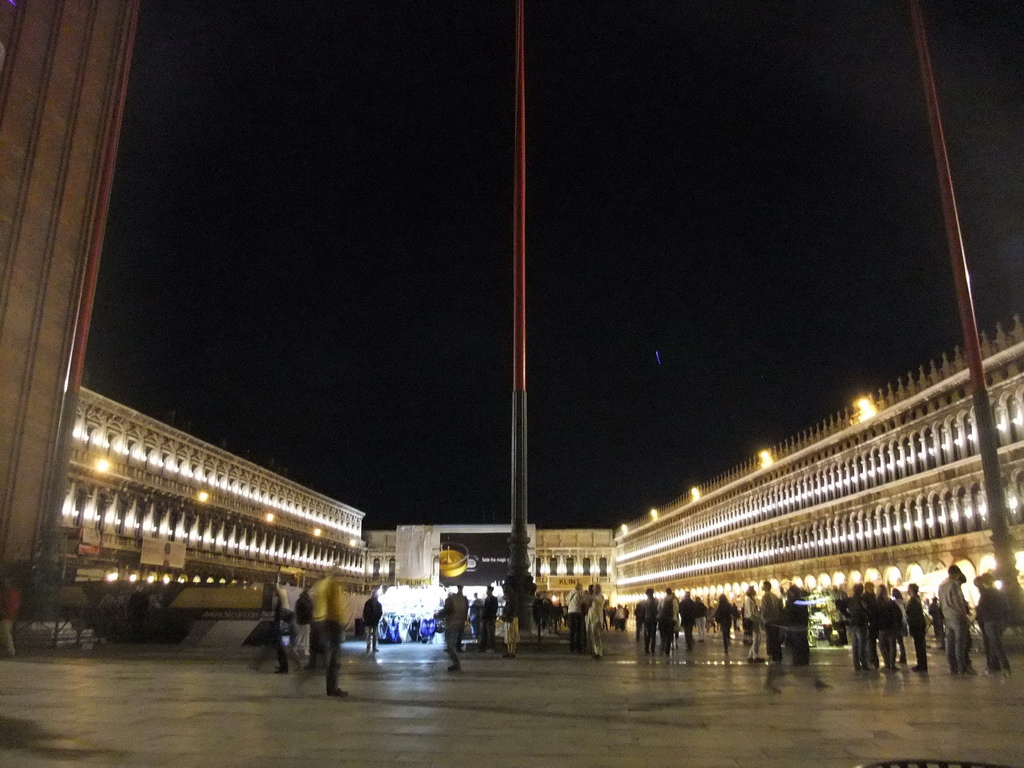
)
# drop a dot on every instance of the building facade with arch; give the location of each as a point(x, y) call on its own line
point(890, 492)
point(133, 478)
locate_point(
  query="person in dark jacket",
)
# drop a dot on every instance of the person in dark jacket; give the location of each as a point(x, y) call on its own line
point(888, 620)
point(725, 614)
point(638, 615)
point(488, 621)
point(991, 614)
point(372, 613)
point(918, 628)
point(871, 601)
point(857, 622)
point(938, 622)
point(687, 618)
point(797, 618)
point(650, 623)
point(303, 622)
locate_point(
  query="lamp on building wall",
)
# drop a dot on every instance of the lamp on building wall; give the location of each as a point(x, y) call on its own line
point(102, 465)
point(766, 459)
point(203, 496)
point(654, 514)
point(865, 409)
point(695, 494)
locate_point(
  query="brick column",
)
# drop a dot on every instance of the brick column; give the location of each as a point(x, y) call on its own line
point(62, 75)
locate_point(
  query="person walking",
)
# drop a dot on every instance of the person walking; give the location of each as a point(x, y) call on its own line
point(455, 613)
point(372, 614)
point(687, 619)
point(797, 618)
point(638, 618)
point(917, 627)
point(303, 621)
point(992, 614)
point(595, 623)
point(956, 616)
point(771, 618)
point(857, 622)
point(10, 607)
point(488, 621)
point(700, 619)
point(318, 627)
point(511, 621)
point(725, 614)
point(476, 608)
point(574, 613)
point(887, 620)
point(335, 621)
point(667, 620)
point(752, 611)
point(650, 622)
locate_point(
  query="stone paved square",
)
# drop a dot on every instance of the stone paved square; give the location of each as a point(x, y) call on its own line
point(172, 707)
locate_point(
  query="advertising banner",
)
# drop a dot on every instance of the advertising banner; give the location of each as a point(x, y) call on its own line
point(169, 554)
point(473, 559)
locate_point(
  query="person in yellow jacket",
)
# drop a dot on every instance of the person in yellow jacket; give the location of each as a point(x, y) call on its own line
point(335, 620)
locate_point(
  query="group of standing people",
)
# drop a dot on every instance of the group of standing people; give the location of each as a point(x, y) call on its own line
point(879, 619)
point(767, 619)
point(585, 612)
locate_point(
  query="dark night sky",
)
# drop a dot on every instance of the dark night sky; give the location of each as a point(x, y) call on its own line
point(309, 245)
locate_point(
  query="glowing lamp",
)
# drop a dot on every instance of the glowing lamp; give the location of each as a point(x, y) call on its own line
point(625, 529)
point(317, 531)
point(270, 517)
point(695, 494)
point(103, 465)
point(203, 496)
point(654, 514)
point(865, 409)
point(766, 459)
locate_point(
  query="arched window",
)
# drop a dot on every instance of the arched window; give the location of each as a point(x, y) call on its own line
point(570, 566)
point(586, 566)
point(602, 567)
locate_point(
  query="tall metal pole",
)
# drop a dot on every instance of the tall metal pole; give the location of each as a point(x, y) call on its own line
point(520, 582)
point(998, 519)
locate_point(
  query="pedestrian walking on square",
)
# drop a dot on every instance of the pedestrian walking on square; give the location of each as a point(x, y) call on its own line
point(334, 624)
point(488, 621)
point(280, 621)
point(888, 621)
point(372, 613)
point(574, 612)
point(992, 614)
point(510, 619)
point(725, 615)
point(595, 623)
point(650, 622)
point(303, 621)
point(752, 611)
point(668, 615)
point(797, 617)
point(638, 616)
point(700, 619)
point(455, 613)
point(687, 619)
point(476, 607)
point(917, 626)
point(857, 622)
point(771, 617)
point(956, 616)
point(10, 607)
point(318, 627)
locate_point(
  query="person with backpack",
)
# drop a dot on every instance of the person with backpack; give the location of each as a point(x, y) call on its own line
point(650, 622)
